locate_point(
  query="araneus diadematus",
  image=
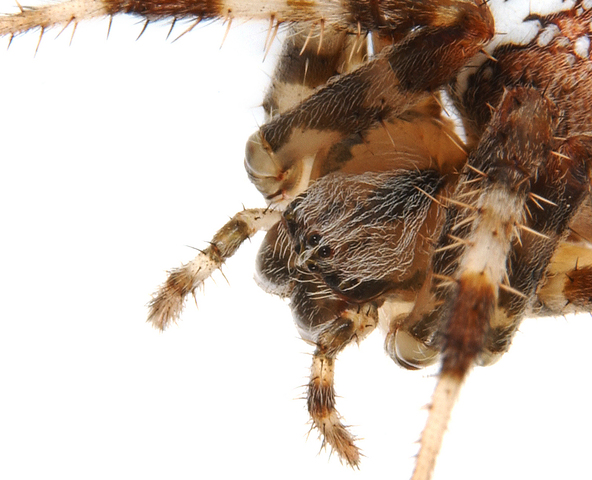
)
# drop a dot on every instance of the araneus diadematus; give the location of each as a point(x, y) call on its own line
point(453, 254)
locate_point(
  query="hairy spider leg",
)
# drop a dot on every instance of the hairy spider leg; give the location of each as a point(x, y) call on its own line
point(399, 78)
point(307, 61)
point(168, 302)
point(353, 324)
point(501, 255)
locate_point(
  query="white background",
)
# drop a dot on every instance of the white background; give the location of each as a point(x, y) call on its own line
point(118, 156)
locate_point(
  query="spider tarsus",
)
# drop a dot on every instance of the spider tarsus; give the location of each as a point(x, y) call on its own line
point(167, 304)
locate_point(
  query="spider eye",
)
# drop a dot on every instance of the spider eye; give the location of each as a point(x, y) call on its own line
point(312, 267)
point(325, 251)
point(314, 239)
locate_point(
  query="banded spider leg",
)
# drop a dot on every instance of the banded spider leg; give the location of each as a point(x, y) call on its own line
point(553, 298)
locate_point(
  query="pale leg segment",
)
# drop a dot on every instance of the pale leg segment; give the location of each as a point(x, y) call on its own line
point(353, 325)
point(167, 303)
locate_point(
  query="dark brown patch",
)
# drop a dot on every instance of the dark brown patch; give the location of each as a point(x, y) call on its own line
point(467, 323)
point(206, 9)
point(578, 287)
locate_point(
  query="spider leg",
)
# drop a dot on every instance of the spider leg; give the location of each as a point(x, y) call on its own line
point(493, 264)
point(325, 320)
point(567, 287)
point(167, 303)
point(400, 78)
point(382, 115)
point(353, 324)
point(307, 61)
point(376, 231)
point(563, 180)
point(388, 120)
point(395, 16)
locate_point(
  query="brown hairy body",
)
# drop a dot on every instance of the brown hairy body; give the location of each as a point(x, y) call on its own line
point(385, 207)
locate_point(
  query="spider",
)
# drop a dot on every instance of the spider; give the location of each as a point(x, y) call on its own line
point(422, 205)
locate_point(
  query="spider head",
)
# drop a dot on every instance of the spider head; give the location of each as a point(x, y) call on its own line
point(314, 250)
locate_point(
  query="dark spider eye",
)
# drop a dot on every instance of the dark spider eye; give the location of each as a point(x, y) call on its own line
point(314, 239)
point(312, 267)
point(325, 251)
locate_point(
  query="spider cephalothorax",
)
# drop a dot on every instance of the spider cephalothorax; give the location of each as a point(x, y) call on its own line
point(357, 230)
point(377, 211)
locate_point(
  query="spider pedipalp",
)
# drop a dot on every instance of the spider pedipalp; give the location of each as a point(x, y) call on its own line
point(380, 210)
